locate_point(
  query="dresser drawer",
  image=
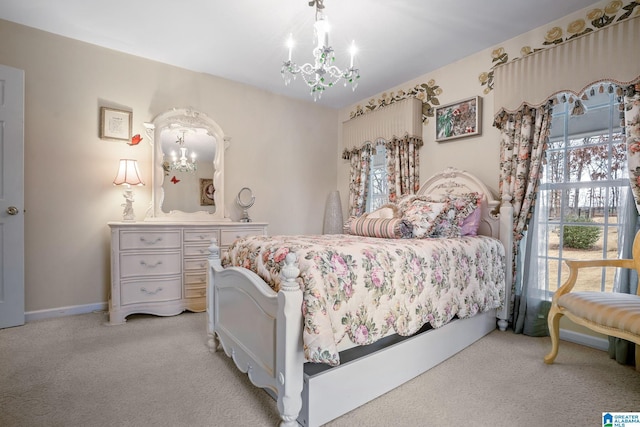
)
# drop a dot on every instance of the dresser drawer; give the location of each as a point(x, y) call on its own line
point(141, 291)
point(160, 239)
point(200, 235)
point(195, 264)
point(194, 249)
point(150, 264)
point(195, 278)
point(195, 291)
point(227, 237)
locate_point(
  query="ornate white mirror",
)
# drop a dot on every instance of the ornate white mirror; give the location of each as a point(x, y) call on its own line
point(188, 167)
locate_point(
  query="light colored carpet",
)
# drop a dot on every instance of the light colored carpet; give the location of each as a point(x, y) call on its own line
point(157, 371)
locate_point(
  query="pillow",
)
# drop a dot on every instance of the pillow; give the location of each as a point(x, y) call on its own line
point(386, 211)
point(387, 228)
point(471, 223)
point(423, 216)
point(449, 222)
point(461, 206)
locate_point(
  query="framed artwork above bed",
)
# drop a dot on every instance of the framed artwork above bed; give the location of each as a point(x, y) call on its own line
point(459, 119)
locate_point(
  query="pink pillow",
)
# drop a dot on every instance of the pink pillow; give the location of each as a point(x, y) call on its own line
point(471, 223)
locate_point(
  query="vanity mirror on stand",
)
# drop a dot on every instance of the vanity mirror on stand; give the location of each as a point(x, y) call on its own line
point(159, 265)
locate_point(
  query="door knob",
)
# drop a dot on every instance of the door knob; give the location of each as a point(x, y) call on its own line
point(12, 210)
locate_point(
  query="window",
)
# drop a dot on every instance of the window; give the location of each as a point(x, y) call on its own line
point(378, 186)
point(581, 193)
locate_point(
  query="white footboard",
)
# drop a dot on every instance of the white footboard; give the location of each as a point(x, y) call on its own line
point(259, 329)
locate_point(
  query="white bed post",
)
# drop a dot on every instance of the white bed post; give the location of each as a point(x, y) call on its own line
point(214, 262)
point(506, 237)
point(289, 354)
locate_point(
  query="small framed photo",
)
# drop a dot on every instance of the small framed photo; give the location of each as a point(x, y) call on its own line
point(206, 192)
point(115, 124)
point(459, 119)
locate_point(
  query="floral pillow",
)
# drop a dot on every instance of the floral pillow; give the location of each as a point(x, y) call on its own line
point(461, 206)
point(450, 222)
point(424, 216)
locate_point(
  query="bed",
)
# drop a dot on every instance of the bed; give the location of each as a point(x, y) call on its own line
point(273, 337)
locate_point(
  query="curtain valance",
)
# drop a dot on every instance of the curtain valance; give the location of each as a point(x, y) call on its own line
point(400, 119)
point(608, 54)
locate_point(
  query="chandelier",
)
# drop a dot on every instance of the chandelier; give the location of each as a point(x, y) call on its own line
point(322, 73)
point(183, 163)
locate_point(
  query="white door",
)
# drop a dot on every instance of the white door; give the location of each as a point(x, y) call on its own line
point(11, 197)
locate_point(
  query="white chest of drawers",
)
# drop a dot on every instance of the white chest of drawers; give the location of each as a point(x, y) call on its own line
point(161, 268)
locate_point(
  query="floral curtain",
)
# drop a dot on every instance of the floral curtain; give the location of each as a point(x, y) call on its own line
point(632, 133)
point(621, 350)
point(403, 164)
point(523, 138)
point(360, 160)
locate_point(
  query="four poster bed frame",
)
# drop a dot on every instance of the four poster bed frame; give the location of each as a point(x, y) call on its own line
point(261, 330)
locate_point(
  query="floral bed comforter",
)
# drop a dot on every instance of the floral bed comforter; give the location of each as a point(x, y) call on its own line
point(366, 288)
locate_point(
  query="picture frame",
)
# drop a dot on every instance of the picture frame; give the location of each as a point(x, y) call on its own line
point(459, 119)
point(207, 190)
point(115, 124)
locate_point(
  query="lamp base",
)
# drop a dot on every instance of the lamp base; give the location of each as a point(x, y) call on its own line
point(127, 214)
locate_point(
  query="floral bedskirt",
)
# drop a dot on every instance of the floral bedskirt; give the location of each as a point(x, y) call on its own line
point(366, 288)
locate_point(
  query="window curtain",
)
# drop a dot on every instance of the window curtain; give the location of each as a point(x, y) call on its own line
point(360, 161)
point(523, 90)
point(403, 165)
point(621, 350)
point(523, 138)
point(400, 125)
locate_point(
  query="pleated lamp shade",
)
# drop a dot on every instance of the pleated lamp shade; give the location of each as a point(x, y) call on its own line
point(128, 173)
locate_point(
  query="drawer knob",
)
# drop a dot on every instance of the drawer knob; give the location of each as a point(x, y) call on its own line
point(144, 290)
point(144, 263)
point(149, 242)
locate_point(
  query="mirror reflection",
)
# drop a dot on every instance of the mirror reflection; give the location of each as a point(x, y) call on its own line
point(188, 166)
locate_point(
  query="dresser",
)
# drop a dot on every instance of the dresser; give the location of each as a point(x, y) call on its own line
point(161, 268)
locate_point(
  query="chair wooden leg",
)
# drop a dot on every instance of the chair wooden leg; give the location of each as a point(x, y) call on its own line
point(553, 320)
point(638, 357)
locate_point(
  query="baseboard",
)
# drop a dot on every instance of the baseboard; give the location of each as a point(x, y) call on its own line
point(584, 339)
point(51, 313)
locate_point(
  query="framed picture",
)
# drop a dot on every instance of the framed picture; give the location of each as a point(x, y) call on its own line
point(115, 124)
point(206, 192)
point(459, 119)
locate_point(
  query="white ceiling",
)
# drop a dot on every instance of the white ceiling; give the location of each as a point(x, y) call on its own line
point(244, 40)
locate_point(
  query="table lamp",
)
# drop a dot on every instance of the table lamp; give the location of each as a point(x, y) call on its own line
point(128, 175)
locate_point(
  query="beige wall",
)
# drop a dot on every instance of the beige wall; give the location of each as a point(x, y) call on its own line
point(282, 148)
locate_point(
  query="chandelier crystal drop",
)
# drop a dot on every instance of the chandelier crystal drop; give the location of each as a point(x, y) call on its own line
point(183, 163)
point(322, 74)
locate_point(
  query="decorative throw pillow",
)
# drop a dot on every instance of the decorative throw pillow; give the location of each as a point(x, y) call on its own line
point(471, 223)
point(423, 216)
point(460, 207)
point(386, 211)
point(387, 228)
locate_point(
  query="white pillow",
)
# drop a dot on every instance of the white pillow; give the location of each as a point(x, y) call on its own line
point(386, 211)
